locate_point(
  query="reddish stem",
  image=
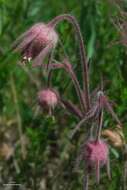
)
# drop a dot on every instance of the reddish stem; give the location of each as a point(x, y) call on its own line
point(75, 24)
point(99, 128)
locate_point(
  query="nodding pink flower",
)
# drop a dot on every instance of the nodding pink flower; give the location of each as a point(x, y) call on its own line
point(47, 98)
point(37, 42)
point(96, 156)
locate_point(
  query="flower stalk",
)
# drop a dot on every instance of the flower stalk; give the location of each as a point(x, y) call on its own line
point(85, 75)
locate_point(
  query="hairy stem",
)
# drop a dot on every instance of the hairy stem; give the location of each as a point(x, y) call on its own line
point(68, 69)
point(75, 24)
point(72, 108)
point(76, 84)
point(99, 128)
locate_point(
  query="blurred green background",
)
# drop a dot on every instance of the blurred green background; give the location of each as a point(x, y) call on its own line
point(49, 154)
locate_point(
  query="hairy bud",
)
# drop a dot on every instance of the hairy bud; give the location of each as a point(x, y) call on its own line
point(96, 156)
point(47, 98)
point(96, 151)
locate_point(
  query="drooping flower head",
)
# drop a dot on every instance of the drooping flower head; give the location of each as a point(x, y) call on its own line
point(96, 151)
point(36, 43)
point(96, 156)
point(47, 98)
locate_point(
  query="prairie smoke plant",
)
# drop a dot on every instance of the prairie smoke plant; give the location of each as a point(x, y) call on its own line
point(36, 44)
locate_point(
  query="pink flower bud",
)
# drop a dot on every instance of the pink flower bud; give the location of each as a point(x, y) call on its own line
point(96, 156)
point(47, 98)
point(94, 152)
point(37, 41)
